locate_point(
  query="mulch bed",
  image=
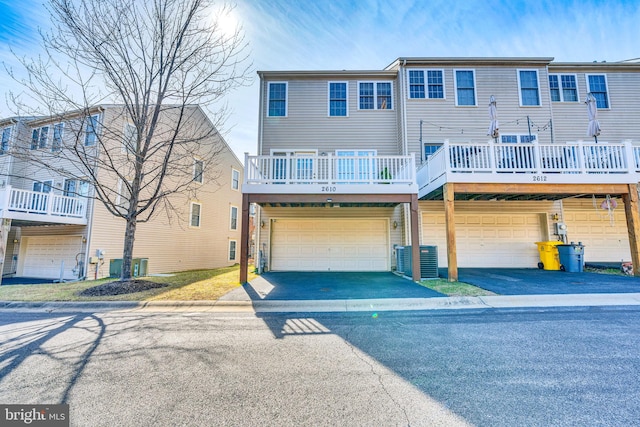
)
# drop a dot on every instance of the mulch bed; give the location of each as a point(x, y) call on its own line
point(121, 287)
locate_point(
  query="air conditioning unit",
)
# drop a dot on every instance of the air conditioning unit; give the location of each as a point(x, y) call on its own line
point(428, 262)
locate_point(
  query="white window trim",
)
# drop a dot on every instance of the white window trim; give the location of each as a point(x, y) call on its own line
point(346, 83)
point(575, 76)
point(520, 87)
point(375, 152)
point(294, 152)
point(232, 171)
point(286, 98)
point(193, 175)
point(455, 87)
point(231, 208)
point(430, 143)
point(375, 95)
point(606, 82)
point(191, 215)
point(229, 250)
point(426, 83)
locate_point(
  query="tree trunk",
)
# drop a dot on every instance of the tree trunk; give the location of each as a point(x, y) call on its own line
point(127, 253)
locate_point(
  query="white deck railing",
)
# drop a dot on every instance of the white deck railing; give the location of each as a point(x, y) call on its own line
point(329, 169)
point(40, 205)
point(458, 160)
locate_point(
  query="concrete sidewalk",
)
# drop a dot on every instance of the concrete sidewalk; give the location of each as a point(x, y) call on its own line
point(350, 305)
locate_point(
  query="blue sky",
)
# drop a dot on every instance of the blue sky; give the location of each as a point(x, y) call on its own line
point(370, 34)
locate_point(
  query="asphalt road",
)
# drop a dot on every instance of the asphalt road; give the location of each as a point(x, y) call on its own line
point(551, 367)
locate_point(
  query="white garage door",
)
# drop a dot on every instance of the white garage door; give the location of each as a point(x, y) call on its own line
point(487, 240)
point(43, 256)
point(604, 240)
point(329, 245)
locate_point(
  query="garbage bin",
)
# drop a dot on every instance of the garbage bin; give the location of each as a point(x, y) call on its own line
point(571, 257)
point(549, 259)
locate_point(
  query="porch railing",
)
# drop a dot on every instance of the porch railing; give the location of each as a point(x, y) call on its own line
point(329, 169)
point(38, 203)
point(498, 158)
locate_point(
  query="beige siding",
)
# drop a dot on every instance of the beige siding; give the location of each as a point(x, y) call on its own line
point(168, 240)
point(308, 125)
point(442, 119)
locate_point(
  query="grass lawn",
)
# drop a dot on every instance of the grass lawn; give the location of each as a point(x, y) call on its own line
point(187, 286)
point(455, 289)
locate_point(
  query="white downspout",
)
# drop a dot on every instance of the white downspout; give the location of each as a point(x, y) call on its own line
point(405, 144)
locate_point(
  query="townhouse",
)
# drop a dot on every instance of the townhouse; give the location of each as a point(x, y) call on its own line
point(353, 164)
point(53, 227)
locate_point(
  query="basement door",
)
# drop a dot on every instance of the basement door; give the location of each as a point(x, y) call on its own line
point(487, 240)
point(42, 256)
point(330, 245)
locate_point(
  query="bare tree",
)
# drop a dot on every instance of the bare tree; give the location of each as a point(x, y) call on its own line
point(156, 61)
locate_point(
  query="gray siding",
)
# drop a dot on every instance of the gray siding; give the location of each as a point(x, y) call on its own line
point(619, 122)
point(442, 119)
point(308, 125)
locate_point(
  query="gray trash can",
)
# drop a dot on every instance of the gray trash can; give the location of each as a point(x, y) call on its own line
point(571, 257)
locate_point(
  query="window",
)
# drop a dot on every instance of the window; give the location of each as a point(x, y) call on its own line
point(124, 196)
point(338, 99)
point(375, 96)
point(195, 214)
point(130, 139)
point(233, 224)
point(75, 188)
point(430, 148)
point(39, 137)
point(4, 145)
point(198, 169)
point(528, 82)
point(598, 87)
point(563, 88)
point(58, 131)
point(465, 87)
point(416, 84)
point(356, 166)
point(514, 139)
point(91, 130)
point(232, 250)
point(235, 179)
point(434, 84)
point(277, 100)
point(43, 187)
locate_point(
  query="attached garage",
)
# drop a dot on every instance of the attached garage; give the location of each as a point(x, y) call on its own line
point(605, 238)
point(42, 256)
point(488, 239)
point(330, 244)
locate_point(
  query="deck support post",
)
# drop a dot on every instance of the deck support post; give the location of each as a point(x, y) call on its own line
point(450, 224)
point(415, 240)
point(244, 240)
point(633, 225)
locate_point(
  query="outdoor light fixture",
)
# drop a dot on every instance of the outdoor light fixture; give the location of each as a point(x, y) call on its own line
point(329, 200)
point(16, 241)
point(555, 217)
point(395, 224)
point(262, 224)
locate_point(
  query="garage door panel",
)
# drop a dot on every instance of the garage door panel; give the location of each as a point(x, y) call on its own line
point(44, 255)
point(330, 245)
point(501, 240)
point(605, 239)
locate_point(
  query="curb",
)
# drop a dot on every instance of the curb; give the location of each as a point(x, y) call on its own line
point(358, 305)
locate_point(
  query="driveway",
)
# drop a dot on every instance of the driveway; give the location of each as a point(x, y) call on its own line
point(522, 281)
point(280, 286)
